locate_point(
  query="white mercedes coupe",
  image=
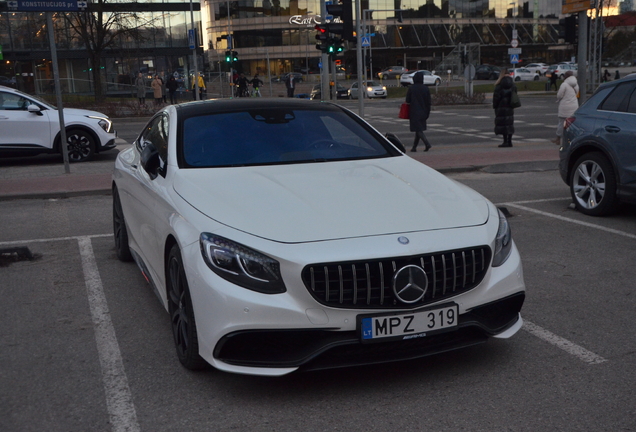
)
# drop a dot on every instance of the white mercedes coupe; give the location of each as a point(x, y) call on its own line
point(285, 235)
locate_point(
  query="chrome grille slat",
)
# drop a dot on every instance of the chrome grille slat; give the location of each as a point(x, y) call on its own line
point(348, 284)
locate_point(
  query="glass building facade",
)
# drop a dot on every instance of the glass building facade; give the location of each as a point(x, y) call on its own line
point(422, 34)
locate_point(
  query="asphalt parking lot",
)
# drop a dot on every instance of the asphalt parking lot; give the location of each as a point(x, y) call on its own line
point(87, 346)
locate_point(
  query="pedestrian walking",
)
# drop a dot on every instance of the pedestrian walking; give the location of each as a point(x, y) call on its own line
point(202, 88)
point(618, 75)
point(419, 99)
point(256, 84)
point(140, 85)
point(606, 76)
point(553, 81)
point(567, 98)
point(157, 88)
point(290, 84)
point(503, 106)
point(172, 85)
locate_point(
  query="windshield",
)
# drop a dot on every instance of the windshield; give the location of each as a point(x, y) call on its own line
point(277, 136)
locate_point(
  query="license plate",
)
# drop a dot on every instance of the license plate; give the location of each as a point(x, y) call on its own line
point(408, 325)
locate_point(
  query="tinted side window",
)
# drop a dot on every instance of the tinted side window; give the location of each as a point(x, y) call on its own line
point(617, 100)
point(631, 107)
point(13, 102)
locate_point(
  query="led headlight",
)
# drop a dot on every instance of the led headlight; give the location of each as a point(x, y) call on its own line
point(241, 265)
point(503, 242)
point(103, 122)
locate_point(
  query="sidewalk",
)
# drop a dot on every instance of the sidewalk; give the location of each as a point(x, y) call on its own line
point(48, 180)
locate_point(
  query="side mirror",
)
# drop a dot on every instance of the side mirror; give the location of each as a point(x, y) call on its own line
point(150, 160)
point(34, 109)
point(396, 141)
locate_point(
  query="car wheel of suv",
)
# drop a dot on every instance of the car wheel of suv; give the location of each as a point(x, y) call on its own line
point(81, 145)
point(593, 185)
point(119, 229)
point(438, 82)
point(184, 328)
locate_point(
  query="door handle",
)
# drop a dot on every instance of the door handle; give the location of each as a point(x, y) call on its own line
point(612, 129)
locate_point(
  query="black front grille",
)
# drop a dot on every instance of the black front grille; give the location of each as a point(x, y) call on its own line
point(369, 284)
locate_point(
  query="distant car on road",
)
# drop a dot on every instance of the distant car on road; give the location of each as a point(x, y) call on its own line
point(540, 68)
point(487, 72)
point(392, 72)
point(372, 89)
point(341, 92)
point(597, 155)
point(523, 74)
point(30, 126)
point(429, 78)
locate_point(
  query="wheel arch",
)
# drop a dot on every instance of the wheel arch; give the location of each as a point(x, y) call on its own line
point(589, 147)
point(56, 145)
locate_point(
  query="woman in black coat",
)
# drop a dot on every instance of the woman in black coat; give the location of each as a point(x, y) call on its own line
point(504, 113)
point(419, 98)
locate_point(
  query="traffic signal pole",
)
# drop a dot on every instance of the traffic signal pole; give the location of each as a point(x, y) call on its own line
point(324, 60)
point(361, 66)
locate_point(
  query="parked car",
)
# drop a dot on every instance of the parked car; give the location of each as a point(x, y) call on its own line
point(562, 68)
point(487, 72)
point(523, 74)
point(373, 89)
point(597, 155)
point(540, 68)
point(429, 78)
point(30, 126)
point(294, 263)
point(392, 72)
point(341, 92)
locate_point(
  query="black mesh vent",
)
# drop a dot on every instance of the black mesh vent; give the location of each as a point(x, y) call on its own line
point(369, 284)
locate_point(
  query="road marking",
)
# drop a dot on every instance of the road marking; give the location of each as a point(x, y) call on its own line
point(564, 344)
point(574, 221)
point(121, 408)
point(15, 242)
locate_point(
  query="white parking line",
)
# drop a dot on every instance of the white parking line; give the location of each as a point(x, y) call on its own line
point(564, 344)
point(121, 409)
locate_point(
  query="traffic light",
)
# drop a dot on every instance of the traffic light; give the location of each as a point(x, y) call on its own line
point(334, 46)
point(228, 56)
point(322, 37)
point(342, 21)
point(568, 29)
point(234, 56)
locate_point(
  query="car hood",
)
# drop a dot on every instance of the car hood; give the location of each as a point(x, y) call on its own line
point(83, 112)
point(331, 200)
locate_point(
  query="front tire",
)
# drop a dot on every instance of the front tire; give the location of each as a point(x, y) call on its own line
point(119, 229)
point(593, 185)
point(184, 328)
point(80, 144)
point(438, 82)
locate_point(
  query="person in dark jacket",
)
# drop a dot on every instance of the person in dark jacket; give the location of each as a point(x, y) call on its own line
point(172, 87)
point(419, 98)
point(504, 113)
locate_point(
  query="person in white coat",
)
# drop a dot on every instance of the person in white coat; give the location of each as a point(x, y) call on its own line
point(568, 100)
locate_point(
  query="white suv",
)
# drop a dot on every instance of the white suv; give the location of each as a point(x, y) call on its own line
point(29, 126)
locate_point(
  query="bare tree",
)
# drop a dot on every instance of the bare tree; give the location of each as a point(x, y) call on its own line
point(101, 29)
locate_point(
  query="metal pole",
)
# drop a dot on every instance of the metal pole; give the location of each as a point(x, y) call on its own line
point(324, 60)
point(361, 68)
point(58, 92)
point(194, 54)
point(269, 73)
point(582, 57)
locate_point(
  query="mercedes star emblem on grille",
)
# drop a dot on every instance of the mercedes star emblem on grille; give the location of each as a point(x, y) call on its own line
point(410, 284)
point(403, 240)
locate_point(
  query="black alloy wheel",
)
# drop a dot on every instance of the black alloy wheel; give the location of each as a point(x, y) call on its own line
point(593, 185)
point(119, 229)
point(184, 327)
point(80, 144)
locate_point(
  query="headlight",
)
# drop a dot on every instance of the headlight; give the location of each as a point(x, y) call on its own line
point(103, 122)
point(241, 265)
point(369, 88)
point(384, 88)
point(503, 242)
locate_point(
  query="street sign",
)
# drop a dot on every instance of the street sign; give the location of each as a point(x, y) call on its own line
point(514, 58)
point(512, 51)
point(572, 6)
point(515, 34)
point(514, 43)
point(46, 5)
point(366, 41)
point(191, 39)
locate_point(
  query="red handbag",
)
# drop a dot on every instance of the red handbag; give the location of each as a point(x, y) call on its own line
point(405, 110)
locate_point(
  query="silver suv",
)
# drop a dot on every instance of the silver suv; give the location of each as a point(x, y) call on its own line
point(392, 72)
point(598, 156)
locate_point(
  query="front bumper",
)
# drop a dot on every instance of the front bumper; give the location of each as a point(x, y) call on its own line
point(312, 349)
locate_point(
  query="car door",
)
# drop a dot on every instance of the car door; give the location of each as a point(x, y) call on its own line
point(140, 194)
point(20, 128)
point(620, 131)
